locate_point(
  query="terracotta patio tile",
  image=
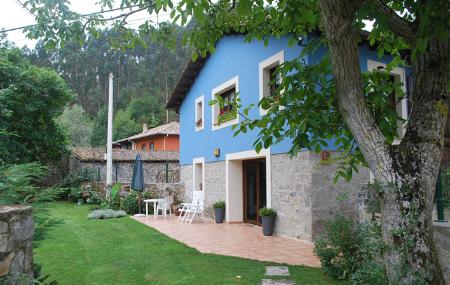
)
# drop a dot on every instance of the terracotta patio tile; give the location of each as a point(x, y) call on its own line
point(241, 240)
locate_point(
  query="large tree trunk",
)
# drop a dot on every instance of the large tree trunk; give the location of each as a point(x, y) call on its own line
point(408, 171)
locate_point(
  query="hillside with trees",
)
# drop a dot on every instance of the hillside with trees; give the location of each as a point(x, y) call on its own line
point(143, 78)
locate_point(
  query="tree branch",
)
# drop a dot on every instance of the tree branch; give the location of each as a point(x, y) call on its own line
point(397, 24)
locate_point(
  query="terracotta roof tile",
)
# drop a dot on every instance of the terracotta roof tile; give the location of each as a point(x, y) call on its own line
point(99, 154)
point(172, 128)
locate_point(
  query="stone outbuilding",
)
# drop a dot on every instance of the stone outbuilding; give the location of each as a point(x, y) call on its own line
point(159, 166)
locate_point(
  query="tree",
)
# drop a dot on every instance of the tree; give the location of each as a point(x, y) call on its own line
point(348, 103)
point(30, 100)
point(124, 126)
point(100, 128)
point(77, 124)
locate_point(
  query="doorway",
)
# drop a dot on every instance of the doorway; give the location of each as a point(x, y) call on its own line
point(254, 188)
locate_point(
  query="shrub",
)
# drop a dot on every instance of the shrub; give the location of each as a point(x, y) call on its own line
point(77, 178)
point(106, 214)
point(17, 182)
point(130, 204)
point(85, 194)
point(267, 212)
point(351, 251)
point(50, 194)
point(75, 194)
point(219, 205)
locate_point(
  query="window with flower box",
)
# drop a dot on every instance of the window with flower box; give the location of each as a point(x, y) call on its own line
point(224, 112)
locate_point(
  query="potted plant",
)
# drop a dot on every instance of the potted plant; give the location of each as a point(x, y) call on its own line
point(219, 211)
point(178, 210)
point(268, 216)
point(199, 123)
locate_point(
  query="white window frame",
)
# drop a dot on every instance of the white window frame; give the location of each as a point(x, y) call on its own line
point(198, 100)
point(195, 162)
point(402, 106)
point(264, 77)
point(233, 82)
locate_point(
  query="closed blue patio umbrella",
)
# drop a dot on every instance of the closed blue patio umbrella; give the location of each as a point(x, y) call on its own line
point(137, 184)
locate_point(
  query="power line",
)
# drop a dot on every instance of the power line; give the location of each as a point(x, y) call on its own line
point(82, 15)
point(25, 8)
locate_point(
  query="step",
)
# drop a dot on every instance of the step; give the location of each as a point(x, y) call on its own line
point(277, 282)
point(277, 271)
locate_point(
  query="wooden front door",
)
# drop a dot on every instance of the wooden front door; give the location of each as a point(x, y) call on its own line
point(254, 178)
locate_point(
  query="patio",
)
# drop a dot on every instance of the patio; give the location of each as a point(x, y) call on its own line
point(240, 240)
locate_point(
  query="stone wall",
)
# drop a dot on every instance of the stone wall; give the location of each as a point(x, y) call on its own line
point(291, 195)
point(187, 179)
point(16, 245)
point(214, 184)
point(329, 198)
point(441, 233)
point(303, 192)
point(215, 188)
point(153, 171)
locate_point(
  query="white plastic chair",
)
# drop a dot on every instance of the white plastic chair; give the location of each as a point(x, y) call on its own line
point(190, 210)
point(165, 206)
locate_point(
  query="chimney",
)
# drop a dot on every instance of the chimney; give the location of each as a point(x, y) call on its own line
point(144, 128)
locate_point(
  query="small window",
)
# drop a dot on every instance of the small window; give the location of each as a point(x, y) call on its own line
point(143, 146)
point(199, 113)
point(269, 77)
point(227, 113)
point(399, 104)
point(151, 146)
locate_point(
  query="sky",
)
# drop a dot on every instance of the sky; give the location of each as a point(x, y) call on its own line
point(13, 15)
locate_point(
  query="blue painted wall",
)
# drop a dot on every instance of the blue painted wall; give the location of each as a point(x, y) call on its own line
point(234, 57)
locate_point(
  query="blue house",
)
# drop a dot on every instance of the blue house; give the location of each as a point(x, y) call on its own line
point(227, 168)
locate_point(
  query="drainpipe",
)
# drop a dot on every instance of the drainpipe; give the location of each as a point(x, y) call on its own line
point(165, 141)
point(167, 171)
point(440, 200)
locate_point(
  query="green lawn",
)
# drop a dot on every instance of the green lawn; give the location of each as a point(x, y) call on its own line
point(122, 251)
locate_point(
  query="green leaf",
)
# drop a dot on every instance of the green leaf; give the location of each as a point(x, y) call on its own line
point(50, 44)
point(258, 147)
point(244, 7)
point(194, 56)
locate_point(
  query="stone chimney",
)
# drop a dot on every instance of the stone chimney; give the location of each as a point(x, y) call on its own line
point(144, 128)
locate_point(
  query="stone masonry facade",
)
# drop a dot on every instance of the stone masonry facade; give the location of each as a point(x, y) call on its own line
point(291, 195)
point(16, 245)
point(303, 192)
point(329, 198)
point(153, 171)
point(214, 184)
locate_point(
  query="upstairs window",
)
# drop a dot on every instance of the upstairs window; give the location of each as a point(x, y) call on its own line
point(225, 114)
point(143, 146)
point(199, 113)
point(400, 105)
point(274, 80)
point(151, 146)
point(228, 98)
point(269, 78)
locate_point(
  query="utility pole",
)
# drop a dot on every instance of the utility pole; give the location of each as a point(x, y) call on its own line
point(109, 137)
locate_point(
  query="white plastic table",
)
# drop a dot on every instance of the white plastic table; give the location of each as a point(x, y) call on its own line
point(155, 203)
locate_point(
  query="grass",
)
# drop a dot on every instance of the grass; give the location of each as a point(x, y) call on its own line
point(79, 251)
